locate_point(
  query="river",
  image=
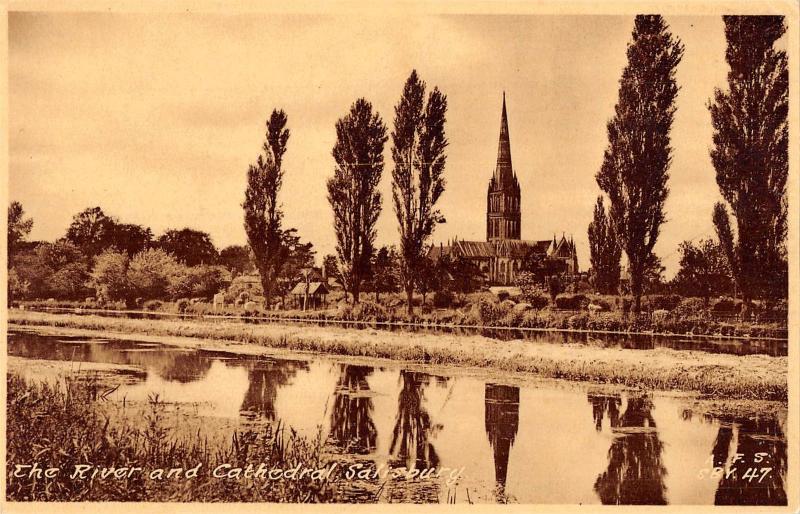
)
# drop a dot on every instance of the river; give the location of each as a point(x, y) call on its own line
point(528, 441)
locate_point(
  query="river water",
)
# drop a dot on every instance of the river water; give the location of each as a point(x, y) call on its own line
point(526, 441)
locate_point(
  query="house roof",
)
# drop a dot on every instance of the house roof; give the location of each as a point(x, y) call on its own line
point(314, 288)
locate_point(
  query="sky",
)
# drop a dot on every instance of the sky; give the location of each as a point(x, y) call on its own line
point(156, 117)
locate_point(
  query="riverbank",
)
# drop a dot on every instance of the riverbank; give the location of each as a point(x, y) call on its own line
point(70, 430)
point(668, 316)
point(754, 377)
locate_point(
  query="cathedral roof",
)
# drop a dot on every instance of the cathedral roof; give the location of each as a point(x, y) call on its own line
point(504, 172)
point(514, 248)
point(563, 248)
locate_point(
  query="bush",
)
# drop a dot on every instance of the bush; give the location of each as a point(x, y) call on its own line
point(726, 306)
point(627, 305)
point(663, 302)
point(778, 310)
point(603, 304)
point(523, 307)
point(182, 304)
point(153, 305)
point(689, 308)
point(538, 301)
point(572, 302)
point(513, 318)
point(578, 321)
point(443, 299)
point(530, 319)
point(344, 311)
point(484, 312)
point(369, 311)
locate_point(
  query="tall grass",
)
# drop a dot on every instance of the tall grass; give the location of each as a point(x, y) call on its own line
point(61, 426)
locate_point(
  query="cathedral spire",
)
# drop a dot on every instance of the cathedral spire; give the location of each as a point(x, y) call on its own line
point(503, 173)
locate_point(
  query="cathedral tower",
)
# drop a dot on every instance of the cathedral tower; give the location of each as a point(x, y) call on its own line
point(503, 199)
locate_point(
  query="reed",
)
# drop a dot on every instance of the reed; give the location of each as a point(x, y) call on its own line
point(61, 426)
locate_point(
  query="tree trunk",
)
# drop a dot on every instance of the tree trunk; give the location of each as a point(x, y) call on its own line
point(266, 284)
point(744, 314)
point(356, 290)
point(410, 298)
point(636, 291)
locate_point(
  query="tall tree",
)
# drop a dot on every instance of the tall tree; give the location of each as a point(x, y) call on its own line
point(57, 270)
point(262, 213)
point(330, 266)
point(18, 228)
point(90, 230)
point(605, 252)
point(189, 246)
point(461, 274)
point(384, 272)
point(353, 190)
point(109, 276)
point(722, 225)
point(703, 270)
point(751, 153)
point(237, 258)
point(418, 152)
point(300, 256)
point(151, 272)
point(635, 165)
point(129, 238)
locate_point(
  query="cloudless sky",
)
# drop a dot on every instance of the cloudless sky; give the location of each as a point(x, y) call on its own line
point(155, 117)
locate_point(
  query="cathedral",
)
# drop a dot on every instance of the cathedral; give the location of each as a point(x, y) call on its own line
point(500, 256)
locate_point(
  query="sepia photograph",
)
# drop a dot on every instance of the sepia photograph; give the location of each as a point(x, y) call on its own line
point(427, 255)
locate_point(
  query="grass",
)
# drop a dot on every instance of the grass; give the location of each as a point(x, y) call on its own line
point(62, 426)
point(754, 377)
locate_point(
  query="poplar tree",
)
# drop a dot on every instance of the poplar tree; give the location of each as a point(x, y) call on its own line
point(605, 253)
point(635, 165)
point(262, 213)
point(18, 229)
point(418, 152)
point(751, 155)
point(353, 191)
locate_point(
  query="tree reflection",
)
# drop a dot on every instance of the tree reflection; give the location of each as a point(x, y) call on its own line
point(501, 413)
point(264, 379)
point(605, 405)
point(413, 429)
point(635, 474)
point(750, 444)
point(352, 427)
point(185, 367)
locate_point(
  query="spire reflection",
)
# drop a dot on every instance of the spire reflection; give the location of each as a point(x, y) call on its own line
point(502, 422)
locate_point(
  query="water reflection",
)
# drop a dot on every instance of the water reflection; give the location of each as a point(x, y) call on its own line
point(605, 405)
point(752, 453)
point(501, 407)
point(406, 418)
point(635, 474)
point(411, 444)
point(352, 427)
point(264, 379)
